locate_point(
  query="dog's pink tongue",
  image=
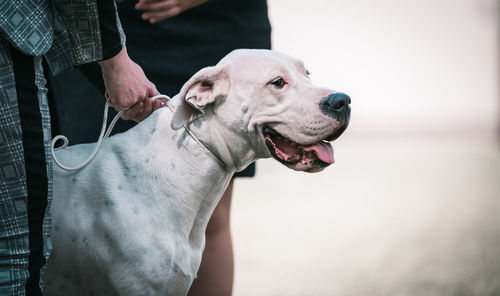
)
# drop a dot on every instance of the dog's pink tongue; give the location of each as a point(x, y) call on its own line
point(323, 150)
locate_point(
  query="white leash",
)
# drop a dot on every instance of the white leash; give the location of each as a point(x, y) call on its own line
point(104, 134)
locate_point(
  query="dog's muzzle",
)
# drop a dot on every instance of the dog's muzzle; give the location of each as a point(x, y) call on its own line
point(337, 105)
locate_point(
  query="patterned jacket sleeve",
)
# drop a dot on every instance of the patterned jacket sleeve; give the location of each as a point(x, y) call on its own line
point(84, 31)
point(112, 36)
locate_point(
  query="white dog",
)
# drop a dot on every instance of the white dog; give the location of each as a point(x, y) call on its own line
point(132, 222)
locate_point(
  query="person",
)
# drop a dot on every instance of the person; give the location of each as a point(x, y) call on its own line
point(172, 40)
point(64, 34)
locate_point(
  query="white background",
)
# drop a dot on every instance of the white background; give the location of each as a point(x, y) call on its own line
point(411, 206)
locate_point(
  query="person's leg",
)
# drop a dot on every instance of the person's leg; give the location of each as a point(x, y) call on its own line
point(24, 178)
point(34, 161)
point(215, 276)
point(14, 247)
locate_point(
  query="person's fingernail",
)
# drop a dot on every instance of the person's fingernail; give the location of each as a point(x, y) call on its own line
point(144, 16)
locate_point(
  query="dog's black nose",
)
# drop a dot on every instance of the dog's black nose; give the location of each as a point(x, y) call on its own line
point(335, 104)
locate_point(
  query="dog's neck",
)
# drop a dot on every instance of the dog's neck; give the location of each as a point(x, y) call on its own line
point(213, 142)
point(201, 181)
point(229, 147)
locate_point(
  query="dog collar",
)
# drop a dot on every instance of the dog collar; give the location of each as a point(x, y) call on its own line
point(185, 126)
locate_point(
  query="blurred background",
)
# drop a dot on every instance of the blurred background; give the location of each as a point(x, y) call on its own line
point(412, 204)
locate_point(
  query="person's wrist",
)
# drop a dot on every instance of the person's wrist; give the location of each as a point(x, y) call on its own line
point(116, 61)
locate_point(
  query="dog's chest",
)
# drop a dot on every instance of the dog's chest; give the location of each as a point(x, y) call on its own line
point(111, 253)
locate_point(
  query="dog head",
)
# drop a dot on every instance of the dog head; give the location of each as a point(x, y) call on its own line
point(266, 106)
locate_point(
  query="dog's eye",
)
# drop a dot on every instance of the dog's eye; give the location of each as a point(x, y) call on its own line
point(278, 82)
point(308, 73)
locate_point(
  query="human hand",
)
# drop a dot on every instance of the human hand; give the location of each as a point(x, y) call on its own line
point(128, 87)
point(157, 10)
point(143, 109)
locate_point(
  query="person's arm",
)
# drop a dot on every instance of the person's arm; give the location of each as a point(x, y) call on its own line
point(112, 36)
point(125, 82)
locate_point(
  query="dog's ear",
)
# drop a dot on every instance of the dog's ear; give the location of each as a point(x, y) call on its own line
point(202, 89)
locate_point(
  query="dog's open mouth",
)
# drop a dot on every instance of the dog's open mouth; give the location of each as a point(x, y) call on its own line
point(297, 156)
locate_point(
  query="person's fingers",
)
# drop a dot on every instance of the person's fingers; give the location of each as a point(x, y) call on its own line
point(125, 115)
point(147, 110)
point(152, 1)
point(132, 112)
point(143, 93)
point(155, 6)
point(155, 17)
point(150, 107)
point(142, 109)
point(159, 103)
point(117, 107)
point(111, 102)
point(152, 91)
